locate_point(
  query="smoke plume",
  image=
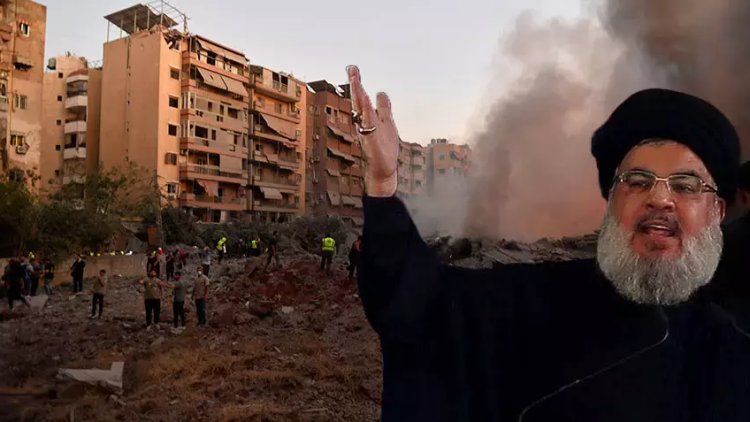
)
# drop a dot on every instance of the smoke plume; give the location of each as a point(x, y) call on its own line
point(534, 175)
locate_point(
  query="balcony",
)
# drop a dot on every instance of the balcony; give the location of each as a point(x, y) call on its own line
point(213, 202)
point(207, 145)
point(275, 89)
point(76, 126)
point(76, 100)
point(275, 206)
point(74, 153)
point(199, 171)
point(286, 185)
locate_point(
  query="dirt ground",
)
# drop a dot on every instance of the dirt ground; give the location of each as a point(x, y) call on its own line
point(289, 345)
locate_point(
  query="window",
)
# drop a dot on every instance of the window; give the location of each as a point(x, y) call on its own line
point(20, 101)
point(233, 113)
point(171, 187)
point(236, 139)
point(24, 28)
point(59, 75)
point(418, 183)
point(201, 132)
point(441, 157)
point(279, 108)
point(172, 129)
point(213, 134)
point(59, 98)
point(210, 106)
point(174, 73)
point(259, 147)
point(57, 173)
point(174, 102)
point(329, 110)
point(17, 140)
point(221, 109)
point(441, 171)
point(59, 122)
point(219, 118)
point(170, 158)
point(57, 147)
point(298, 134)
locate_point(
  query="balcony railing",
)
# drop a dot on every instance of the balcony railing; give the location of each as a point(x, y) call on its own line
point(211, 171)
point(213, 199)
point(276, 181)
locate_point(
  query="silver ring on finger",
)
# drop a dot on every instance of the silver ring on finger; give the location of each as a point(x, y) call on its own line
point(366, 130)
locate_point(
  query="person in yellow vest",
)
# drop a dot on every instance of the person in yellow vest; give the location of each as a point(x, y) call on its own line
point(222, 247)
point(254, 247)
point(329, 246)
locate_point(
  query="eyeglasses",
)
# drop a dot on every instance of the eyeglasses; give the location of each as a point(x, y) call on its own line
point(681, 185)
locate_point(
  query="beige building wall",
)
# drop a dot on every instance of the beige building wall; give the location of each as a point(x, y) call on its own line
point(94, 120)
point(54, 117)
point(446, 160)
point(412, 169)
point(22, 38)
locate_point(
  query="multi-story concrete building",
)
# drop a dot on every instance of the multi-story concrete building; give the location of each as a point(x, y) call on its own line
point(70, 121)
point(446, 161)
point(334, 167)
point(22, 37)
point(277, 136)
point(176, 104)
point(412, 170)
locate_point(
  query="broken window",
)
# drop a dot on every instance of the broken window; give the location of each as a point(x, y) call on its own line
point(175, 73)
point(201, 132)
point(172, 129)
point(174, 102)
point(24, 28)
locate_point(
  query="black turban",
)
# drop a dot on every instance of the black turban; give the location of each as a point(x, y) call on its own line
point(665, 114)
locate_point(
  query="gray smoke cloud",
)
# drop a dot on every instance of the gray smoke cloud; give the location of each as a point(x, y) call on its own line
point(534, 175)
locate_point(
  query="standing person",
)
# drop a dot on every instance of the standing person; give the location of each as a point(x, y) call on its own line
point(354, 253)
point(13, 278)
point(49, 275)
point(76, 271)
point(178, 300)
point(327, 250)
point(254, 247)
point(221, 247)
point(152, 292)
point(34, 275)
point(273, 252)
point(200, 294)
point(99, 289)
point(169, 264)
point(183, 254)
point(206, 261)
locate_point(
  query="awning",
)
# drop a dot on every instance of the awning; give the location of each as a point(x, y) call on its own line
point(338, 132)
point(212, 79)
point(286, 167)
point(347, 200)
point(283, 128)
point(334, 197)
point(357, 201)
point(272, 158)
point(222, 52)
point(235, 86)
point(211, 187)
point(271, 193)
point(342, 155)
point(334, 173)
point(22, 60)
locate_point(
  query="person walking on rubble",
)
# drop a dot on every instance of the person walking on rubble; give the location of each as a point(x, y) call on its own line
point(13, 278)
point(48, 270)
point(327, 249)
point(221, 247)
point(254, 246)
point(170, 264)
point(98, 290)
point(152, 293)
point(76, 271)
point(200, 295)
point(354, 253)
point(273, 252)
point(206, 260)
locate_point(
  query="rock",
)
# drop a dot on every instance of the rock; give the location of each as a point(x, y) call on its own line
point(261, 310)
point(287, 310)
point(224, 317)
point(111, 378)
point(157, 342)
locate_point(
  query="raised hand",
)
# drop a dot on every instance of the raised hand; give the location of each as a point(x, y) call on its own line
point(378, 136)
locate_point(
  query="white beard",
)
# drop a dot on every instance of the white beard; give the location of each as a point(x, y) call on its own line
point(658, 281)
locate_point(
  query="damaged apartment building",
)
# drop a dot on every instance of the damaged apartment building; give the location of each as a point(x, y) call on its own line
point(22, 37)
point(223, 139)
point(335, 176)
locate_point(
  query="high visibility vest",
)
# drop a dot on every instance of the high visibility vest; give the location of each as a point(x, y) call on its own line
point(329, 244)
point(254, 244)
point(220, 245)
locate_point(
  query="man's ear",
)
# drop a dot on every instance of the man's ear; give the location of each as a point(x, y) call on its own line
point(722, 204)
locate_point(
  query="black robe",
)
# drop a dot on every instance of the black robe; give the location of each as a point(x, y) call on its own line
point(539, 342)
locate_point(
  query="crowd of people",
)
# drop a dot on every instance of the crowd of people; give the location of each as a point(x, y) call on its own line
point(25, 275)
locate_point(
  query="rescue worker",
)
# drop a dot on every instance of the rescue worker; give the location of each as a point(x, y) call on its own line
point(254, 247)
point(222, 248)
point(329, 246)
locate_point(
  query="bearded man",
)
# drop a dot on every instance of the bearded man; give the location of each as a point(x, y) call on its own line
point(633, 335)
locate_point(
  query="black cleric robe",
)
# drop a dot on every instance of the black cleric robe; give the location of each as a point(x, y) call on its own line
point(539, 342)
